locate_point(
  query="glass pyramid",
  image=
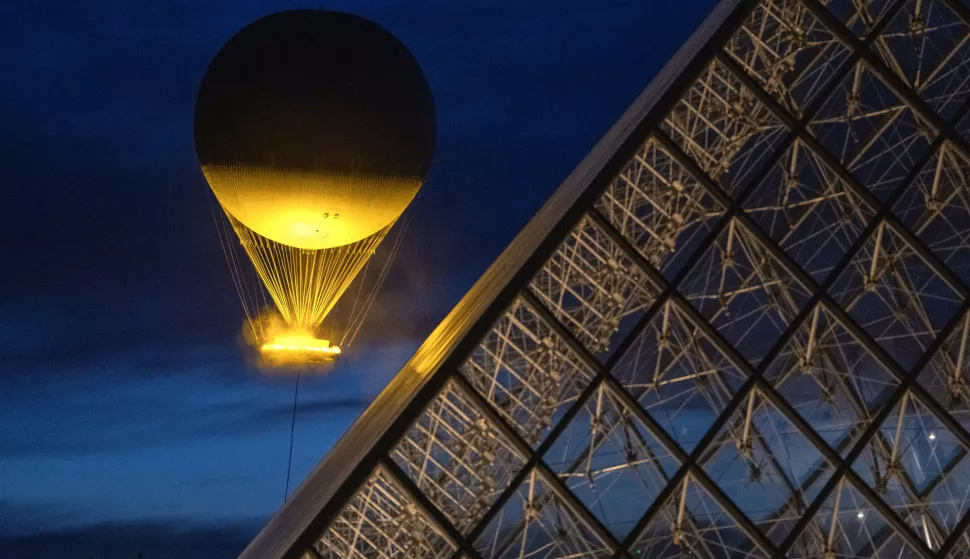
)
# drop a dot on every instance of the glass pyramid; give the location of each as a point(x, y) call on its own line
point(739, 328)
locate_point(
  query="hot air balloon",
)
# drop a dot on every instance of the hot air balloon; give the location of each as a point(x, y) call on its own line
point(315, 130)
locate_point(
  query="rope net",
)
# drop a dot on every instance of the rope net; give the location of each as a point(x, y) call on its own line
point(304, 286)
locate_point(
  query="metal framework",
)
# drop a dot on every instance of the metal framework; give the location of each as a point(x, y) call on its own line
point(739, 329)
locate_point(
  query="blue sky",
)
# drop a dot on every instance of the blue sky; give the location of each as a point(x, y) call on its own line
point(127, 410)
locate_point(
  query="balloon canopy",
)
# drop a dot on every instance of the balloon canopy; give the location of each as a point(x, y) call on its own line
point(315, 129)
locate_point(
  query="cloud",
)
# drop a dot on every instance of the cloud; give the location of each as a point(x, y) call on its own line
point(308, 410)
point(180, 410)
point(144, 540)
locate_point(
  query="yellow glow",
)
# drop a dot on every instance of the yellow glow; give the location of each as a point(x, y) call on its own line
point(310, 210)
point(299, 343)
point(302, 229)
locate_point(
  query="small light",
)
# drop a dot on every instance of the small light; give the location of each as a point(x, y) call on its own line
point(932, 436)
point(860, 515)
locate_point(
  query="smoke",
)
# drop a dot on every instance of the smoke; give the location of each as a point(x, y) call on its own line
point(412, 298)
point(269, 325)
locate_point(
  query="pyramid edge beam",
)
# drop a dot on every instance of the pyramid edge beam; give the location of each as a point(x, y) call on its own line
point(320, 497)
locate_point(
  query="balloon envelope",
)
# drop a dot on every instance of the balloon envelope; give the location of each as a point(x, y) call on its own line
point(315, 129)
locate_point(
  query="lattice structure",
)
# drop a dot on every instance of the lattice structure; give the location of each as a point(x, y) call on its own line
point(739, 330)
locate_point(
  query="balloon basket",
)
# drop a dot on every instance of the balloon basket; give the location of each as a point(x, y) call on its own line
point(298, 349)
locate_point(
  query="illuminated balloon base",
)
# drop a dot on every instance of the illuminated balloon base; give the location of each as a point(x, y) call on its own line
point(302, 348)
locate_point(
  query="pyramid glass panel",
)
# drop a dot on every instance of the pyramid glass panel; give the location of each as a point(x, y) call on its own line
point(915, 463)
point(659, 208)
point(740, 329)
point(936, 208)
point(383, 520)
point(941, 71)
point(678, 376)
point(895, 296)
point(788, 51)
point(809, 210)
point(848, 526)
point(535, 522)
point(874, 133)
point(766, 467)
point(861, 17)
point(457, 457)
point(612, 461)
point(746, 294)
point(720, 124)
point(526, 371)
point(692, 524)
point(946, 378)
point(592, 288)
point(831, 380)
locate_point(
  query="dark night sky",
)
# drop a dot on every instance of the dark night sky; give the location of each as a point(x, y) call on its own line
point(127, 412)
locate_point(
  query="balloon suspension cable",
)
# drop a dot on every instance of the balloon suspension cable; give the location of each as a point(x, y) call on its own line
point(358, 321)
point(238, 281)
point(289, 462)
point(305, 284)
point(353, 310)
